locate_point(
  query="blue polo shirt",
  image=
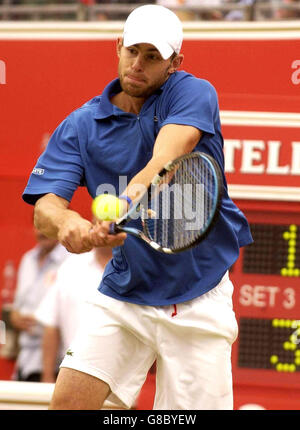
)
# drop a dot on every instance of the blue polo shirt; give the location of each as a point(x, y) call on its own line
point(102, 147)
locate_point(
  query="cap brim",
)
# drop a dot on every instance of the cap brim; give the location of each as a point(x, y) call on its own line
point(164, 49)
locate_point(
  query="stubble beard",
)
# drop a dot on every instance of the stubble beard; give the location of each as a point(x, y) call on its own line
point(146, 91)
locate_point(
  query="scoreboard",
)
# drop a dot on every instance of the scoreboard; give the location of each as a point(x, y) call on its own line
point(266, 355)
point(275, 250)
point(263, 173)
point(271, 343)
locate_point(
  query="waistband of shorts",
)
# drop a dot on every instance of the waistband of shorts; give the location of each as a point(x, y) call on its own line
point(224, 279)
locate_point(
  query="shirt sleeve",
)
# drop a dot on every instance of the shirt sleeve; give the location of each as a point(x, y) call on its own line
point(59, 169)
point(192, 101)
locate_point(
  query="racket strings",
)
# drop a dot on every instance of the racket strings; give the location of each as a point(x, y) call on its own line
point(184, 204)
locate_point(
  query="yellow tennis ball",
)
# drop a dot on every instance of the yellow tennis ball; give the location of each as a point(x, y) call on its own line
point(107, 207)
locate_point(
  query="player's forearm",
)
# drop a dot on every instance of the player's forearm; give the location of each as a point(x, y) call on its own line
point(138, 185)
point(50, 213)
point(172, 141)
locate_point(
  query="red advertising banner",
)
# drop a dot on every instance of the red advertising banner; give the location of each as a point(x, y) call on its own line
point(250, 74)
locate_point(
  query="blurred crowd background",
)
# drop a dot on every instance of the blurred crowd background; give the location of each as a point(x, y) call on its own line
point(188, 10)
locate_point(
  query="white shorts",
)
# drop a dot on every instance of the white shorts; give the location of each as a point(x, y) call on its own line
point(191, 343)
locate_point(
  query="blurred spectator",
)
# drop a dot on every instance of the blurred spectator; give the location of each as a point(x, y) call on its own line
point(46, 2)
point(288, 10)
point(188, 11)
point(116, 14)
point(8, 344)
point(60, 310)
point(36, 274)
point(278, 10)
point(240, 14)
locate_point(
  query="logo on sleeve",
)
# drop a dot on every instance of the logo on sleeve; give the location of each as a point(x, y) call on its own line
point(38, 171)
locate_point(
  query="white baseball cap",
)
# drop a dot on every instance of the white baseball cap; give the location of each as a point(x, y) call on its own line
point(156, 25)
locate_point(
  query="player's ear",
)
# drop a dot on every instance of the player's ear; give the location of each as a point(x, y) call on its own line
point(119, 46)
point(176, 63)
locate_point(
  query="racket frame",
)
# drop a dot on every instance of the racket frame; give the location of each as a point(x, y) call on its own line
point(119, 225)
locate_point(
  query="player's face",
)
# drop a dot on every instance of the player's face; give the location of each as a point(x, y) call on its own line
point(142, 70)
point(46, 244)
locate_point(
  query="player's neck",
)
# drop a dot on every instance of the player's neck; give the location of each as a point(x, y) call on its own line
point(128, 103)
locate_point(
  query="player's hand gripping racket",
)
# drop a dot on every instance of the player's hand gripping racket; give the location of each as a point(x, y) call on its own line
point(181, 205)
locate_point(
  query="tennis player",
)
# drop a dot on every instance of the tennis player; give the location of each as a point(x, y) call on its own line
point(175, 309)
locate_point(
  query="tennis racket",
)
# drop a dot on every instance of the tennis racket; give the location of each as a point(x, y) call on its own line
point(180, 206)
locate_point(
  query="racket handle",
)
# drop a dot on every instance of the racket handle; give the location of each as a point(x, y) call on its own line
point(114, 228)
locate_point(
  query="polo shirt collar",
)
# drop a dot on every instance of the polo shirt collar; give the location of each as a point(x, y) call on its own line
point(105, 108)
